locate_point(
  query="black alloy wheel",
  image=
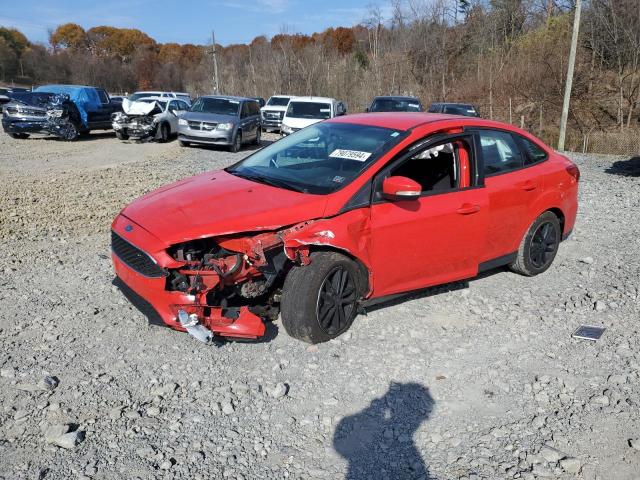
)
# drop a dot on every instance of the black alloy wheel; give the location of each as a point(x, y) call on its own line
point(543, 245)
point(336, 301)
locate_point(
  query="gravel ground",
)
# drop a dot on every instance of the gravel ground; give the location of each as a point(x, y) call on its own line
point(477, 380)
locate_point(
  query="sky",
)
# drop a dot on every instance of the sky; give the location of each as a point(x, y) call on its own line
point(189, 21)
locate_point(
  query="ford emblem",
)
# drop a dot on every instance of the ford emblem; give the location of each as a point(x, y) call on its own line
point(128, 228)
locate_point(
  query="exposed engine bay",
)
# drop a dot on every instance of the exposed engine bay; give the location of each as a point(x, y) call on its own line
point(138, 119)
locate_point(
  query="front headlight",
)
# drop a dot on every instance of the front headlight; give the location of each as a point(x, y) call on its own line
point(55, 113)
point(182, 121)
point(225, 126)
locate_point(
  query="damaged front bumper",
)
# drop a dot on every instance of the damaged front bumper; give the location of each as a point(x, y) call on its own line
point(181, 310)
point(141, 127)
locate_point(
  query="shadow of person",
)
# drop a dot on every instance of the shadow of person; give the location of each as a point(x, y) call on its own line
point(378, 441)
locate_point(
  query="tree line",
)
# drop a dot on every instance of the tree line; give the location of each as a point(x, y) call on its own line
point(508, 57)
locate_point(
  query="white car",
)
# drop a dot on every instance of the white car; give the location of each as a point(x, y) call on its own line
point(155, 117)
point(304, 111)
point(144, 94)
point(273, 112)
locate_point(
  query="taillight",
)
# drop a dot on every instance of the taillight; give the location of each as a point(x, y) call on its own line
point(574, 171)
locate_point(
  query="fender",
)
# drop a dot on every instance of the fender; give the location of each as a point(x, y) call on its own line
point(549, 200)
point(349, 233)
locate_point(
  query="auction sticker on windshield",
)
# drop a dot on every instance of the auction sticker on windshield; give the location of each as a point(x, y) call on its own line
point(350, 155)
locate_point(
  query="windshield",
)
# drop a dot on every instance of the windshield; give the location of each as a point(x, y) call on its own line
point(220, 106)
point(309, 110)
point(278, 101)
point(319, 159)
point(137, 95)
point(395, 105)
point(467, 110)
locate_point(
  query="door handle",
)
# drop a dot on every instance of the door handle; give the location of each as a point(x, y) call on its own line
point(468, 208)
point(528, 185)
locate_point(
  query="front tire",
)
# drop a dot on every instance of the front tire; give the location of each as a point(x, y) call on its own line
point(19, 136)
point(163, 133)
point(539, 246)
point(320, 300)
point(237, 143)
point(121, 136)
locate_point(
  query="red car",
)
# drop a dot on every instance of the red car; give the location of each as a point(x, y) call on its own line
point(346, 210)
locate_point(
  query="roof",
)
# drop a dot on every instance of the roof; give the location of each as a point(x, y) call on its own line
point(409, 120)
point(314, 99)
point(230, 97)
point(396, 97)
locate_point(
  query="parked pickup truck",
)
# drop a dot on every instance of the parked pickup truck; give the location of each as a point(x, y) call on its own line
point(93, 105)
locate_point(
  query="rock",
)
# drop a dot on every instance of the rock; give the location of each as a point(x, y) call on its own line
point(602, 400)
point(570, 465)
point(49, 383)
point(617, 379)
point(61, 436)
point(550, 454)
point(7, 373)
point(634, 443)
point(153, 411)
point(600, 306)
point(587, 260)
point(227, 407)
point(115, 413)
point(279, 391)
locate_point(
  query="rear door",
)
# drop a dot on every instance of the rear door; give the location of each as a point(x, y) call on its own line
point(99, 116)
point(511, 187)
point(438, 237)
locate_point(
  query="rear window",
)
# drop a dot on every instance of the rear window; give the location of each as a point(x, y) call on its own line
point(309, 110)
point(499, 152)
point(102, 95)
point(278, 101)
point(533, 153)
point(395, 105)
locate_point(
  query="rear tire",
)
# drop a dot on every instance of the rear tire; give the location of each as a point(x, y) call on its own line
point(163, 133)
point(257, 141)
point(19, 136)
point(539, 246)
point(320, 300)
point(183, 143)
point(121, 136)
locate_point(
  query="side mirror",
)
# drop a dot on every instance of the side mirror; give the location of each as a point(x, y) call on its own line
point(400, 188)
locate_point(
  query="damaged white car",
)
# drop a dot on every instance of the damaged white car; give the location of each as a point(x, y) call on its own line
point(148, 118)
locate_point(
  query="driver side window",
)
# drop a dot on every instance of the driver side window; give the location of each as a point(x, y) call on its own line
point(435, 168)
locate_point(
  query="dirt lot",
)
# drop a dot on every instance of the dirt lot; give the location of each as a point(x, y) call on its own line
point(478, 380)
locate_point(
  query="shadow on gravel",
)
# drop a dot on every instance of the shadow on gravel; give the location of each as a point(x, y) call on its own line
point(625, 168)
point(378, 441)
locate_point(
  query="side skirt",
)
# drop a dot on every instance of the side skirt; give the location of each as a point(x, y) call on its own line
point(497, 262)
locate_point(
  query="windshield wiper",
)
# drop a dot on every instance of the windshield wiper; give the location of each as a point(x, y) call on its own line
point(269, 181)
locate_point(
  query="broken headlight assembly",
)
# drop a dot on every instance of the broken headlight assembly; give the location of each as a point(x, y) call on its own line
point(55, 113)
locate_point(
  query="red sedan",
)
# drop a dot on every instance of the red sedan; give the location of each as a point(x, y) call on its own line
point(341, 212)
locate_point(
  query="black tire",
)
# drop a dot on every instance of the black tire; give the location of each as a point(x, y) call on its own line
point(237, 143)
point(19, 136)
point(310, 311)
point(182, 143)
point(162, 135)
point(72, 131)
point(257, 141)
point(121, 136)
point(539, 246)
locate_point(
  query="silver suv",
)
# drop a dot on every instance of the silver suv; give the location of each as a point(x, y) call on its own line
point(221, 120)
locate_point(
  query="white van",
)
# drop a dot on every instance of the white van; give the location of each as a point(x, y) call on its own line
point(305, 111)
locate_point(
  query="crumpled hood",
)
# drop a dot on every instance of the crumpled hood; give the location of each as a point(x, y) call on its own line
point(137, 108)
point(218, 203)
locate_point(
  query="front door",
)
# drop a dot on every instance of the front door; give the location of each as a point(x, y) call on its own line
point(438, 237)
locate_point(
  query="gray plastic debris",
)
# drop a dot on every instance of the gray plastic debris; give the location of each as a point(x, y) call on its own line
point(194, 328)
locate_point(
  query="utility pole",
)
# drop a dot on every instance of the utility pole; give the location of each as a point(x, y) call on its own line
point(216, 85)
point(569, 81)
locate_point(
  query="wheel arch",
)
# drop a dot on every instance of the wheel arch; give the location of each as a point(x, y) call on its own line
point(362, 268)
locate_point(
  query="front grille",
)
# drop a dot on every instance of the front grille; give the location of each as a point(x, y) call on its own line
point(135, 258)
point(272, 115)
point(202, 125)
